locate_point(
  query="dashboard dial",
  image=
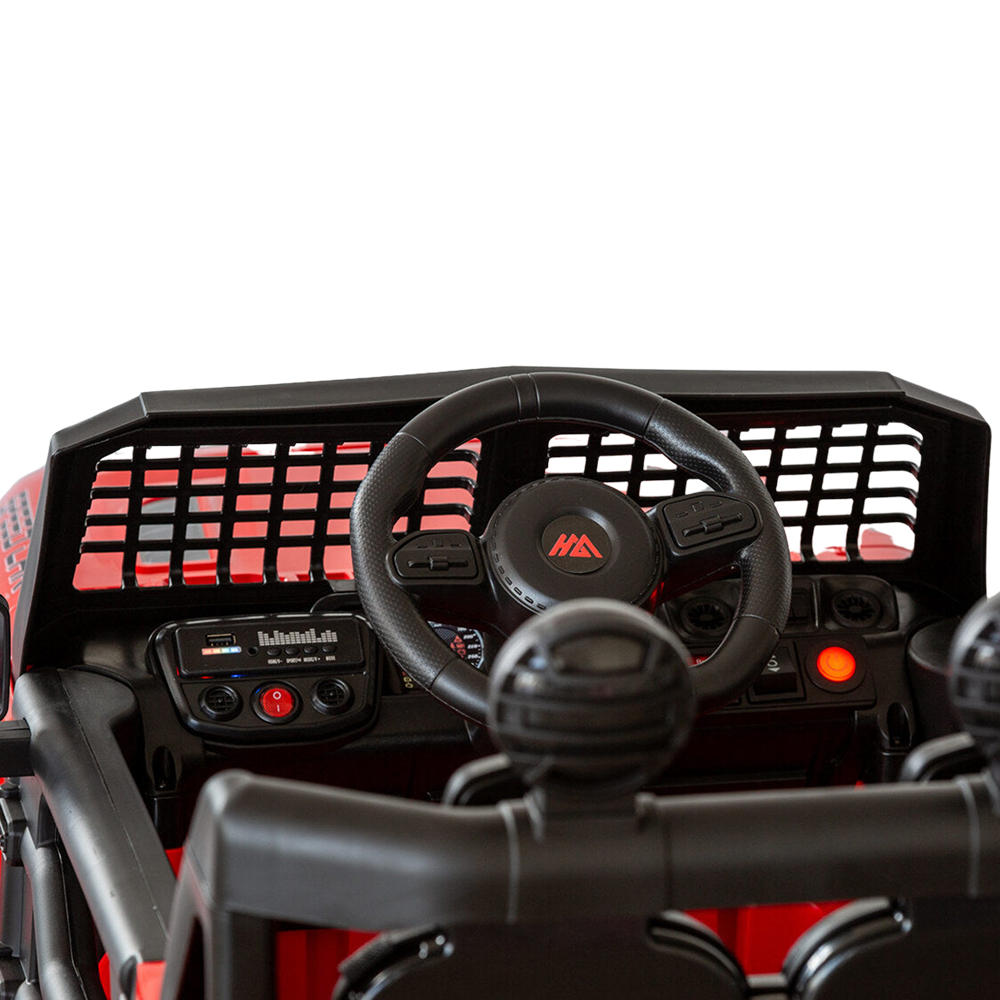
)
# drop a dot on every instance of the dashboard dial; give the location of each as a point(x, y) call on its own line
point(465, 642)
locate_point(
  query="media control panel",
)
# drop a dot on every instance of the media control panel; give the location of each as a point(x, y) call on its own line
point(271, 677)
point(266, 646)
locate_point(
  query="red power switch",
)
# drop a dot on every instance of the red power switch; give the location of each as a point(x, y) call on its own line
point(277, 702)
point(836, 665)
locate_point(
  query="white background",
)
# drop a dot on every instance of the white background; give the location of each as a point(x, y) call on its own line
point(197, 194)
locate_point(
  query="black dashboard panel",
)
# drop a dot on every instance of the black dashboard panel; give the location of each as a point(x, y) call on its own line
point(822, 723)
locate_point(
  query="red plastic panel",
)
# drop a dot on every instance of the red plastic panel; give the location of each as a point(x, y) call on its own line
point(760, 936)
point(149, 980)
point(17, 518)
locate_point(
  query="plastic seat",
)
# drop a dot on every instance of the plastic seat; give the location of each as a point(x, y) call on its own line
point(668, 956)
point(921, 950)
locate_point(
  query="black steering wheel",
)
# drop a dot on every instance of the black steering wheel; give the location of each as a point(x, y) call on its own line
point(564, 536)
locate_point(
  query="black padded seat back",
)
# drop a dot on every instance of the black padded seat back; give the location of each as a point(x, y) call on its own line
point(920, 950)
point(669, 956)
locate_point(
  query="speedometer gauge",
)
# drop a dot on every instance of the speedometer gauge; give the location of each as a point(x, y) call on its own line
point(465, 642)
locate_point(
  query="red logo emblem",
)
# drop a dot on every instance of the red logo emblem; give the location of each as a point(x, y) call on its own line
point(576, 547)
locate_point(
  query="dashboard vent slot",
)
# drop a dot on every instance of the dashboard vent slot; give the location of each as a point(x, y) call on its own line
point(235, 513)
point(845, 490)
point(856, 608)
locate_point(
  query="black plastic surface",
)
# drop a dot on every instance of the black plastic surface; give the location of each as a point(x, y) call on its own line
point(944, 757)
point(974, 680)
point(562, 538)
point(81, 776)
point(562, 961)
point(927, 668)
point(15, 748)
point(392, 864)
point(918, 841)
point(592, 698)
point(67, 963)
point(925, 950)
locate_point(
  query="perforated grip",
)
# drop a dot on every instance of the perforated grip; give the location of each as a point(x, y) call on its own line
point(765, 564)
point(379, 503)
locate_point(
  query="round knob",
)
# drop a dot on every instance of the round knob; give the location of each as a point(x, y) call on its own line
point(975, 677)
point(592, 697)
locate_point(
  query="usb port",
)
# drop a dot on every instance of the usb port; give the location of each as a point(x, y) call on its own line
point(220, 639)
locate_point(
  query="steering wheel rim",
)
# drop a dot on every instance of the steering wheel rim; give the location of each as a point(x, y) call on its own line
point(397, 476)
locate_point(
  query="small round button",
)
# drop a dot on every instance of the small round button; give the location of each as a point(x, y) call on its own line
point(273, 651)
point(276, 703)
point(836, 669)
point(836, 664)
point(329, 647)
point(291, 650)
point(309, 650)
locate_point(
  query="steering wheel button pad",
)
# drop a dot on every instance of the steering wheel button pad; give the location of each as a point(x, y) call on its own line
point(707, 517)
point(444, 554)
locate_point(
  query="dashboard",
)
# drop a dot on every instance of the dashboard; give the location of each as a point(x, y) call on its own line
point(835, 703)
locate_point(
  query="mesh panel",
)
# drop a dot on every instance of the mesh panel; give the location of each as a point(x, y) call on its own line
point(204, 515)
point(845, 491)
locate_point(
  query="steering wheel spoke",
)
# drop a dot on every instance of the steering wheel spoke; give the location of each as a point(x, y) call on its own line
point(703, 536)
point(444, 572)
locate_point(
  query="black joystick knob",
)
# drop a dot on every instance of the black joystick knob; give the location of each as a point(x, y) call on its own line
point(591, 698)
point(975, 677)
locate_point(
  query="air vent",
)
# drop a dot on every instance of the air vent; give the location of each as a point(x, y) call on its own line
point(331, 695)
point(706, 617)
point(220, 702)
point(856, 608)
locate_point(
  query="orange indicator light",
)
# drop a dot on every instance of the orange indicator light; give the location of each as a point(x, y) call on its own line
point(836, 664)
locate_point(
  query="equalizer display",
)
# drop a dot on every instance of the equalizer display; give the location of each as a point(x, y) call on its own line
point(243, 646)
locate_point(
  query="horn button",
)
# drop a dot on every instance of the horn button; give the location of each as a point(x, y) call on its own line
point(565, 537)
point(575, 543)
